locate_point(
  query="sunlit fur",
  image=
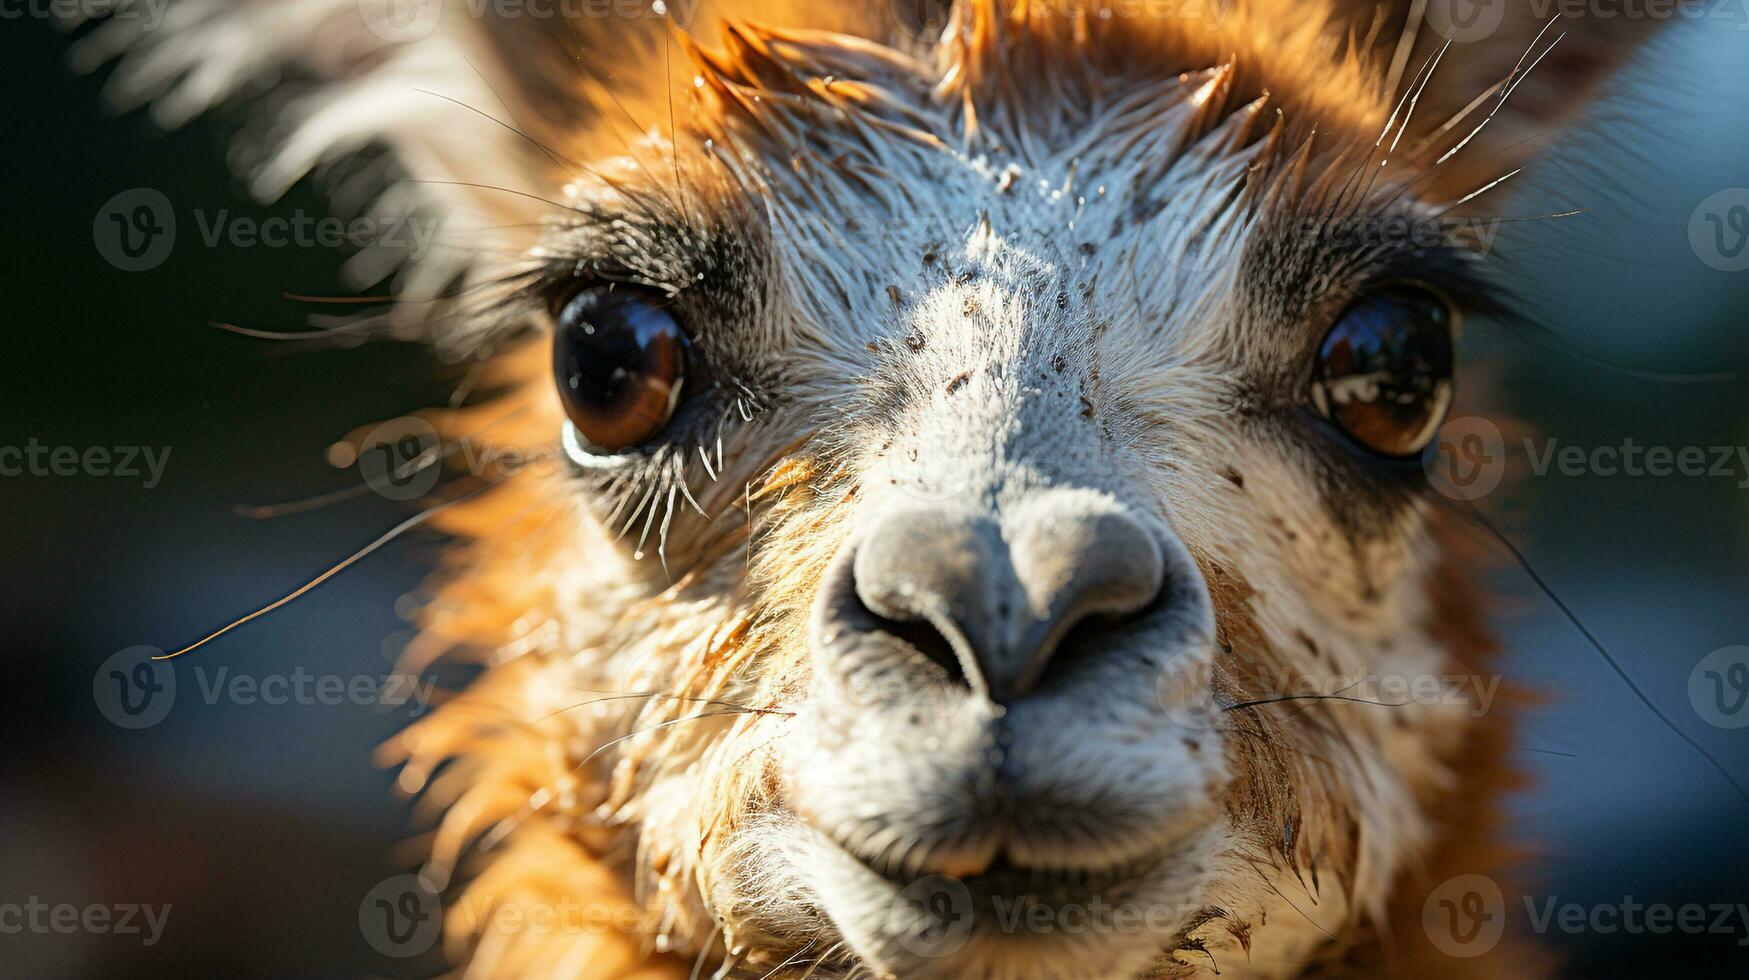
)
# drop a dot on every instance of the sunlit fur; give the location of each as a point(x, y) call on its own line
point(1043, 188)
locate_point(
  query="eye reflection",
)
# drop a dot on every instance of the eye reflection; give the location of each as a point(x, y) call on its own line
point(619, 359)
point(1384, 372)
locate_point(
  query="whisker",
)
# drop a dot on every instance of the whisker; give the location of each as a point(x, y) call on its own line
point(333, 570)
point(304, 505)
point(494, 187)
point(798, 954)
point(1314, 697)
point(1523, 562)
point(1513, 80)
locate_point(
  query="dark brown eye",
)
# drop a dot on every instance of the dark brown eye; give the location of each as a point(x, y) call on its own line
point(620, 361)
point(1384, 372)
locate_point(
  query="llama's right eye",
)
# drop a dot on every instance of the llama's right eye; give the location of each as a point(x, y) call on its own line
point(1384, 371)
point(619, 358)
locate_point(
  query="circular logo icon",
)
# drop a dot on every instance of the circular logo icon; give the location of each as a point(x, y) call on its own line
point(401, 459)
point(1464, 21)
point(1465, 916)
point(401, 21)
point(921, 20)
point(132, 690)
point(1186, 689)
point(932, 916)
point(1718, 687)
point(401, 916)
point(135, 230)
point(1468, 460)
point(1718, 230)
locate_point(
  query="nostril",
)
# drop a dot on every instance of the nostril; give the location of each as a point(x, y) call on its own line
point(1091, 634)
point(921, 636)
point(933, 578)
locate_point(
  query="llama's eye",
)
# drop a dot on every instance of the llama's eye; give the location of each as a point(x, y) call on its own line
point(620, 361)
point(1384, 372)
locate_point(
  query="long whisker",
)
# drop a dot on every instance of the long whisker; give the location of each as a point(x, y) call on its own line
point(1597, 645)
point(333, 570)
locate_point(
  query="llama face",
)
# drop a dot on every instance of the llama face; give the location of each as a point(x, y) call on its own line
point(1059, 412)
point(978, 455)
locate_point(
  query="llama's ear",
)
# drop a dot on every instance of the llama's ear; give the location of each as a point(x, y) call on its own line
point(1498, 78)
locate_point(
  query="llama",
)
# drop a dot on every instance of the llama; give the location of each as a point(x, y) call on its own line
point(992, 463)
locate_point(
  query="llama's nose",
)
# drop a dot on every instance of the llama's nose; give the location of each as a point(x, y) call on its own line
point(992, 597)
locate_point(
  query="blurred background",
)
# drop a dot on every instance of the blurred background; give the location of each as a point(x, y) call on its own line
point(264, 826)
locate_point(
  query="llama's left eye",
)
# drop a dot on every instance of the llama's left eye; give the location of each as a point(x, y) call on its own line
point(619, 358)
point(1384, 372)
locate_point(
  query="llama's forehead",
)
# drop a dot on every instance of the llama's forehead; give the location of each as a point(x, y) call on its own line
point(1133, 241)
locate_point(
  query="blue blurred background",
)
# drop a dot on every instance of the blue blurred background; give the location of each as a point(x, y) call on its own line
point(264, 826)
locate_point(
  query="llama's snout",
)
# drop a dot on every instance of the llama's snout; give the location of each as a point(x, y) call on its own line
point(986, 712)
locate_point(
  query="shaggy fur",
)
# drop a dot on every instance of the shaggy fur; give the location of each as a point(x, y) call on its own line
point(1111, 234)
